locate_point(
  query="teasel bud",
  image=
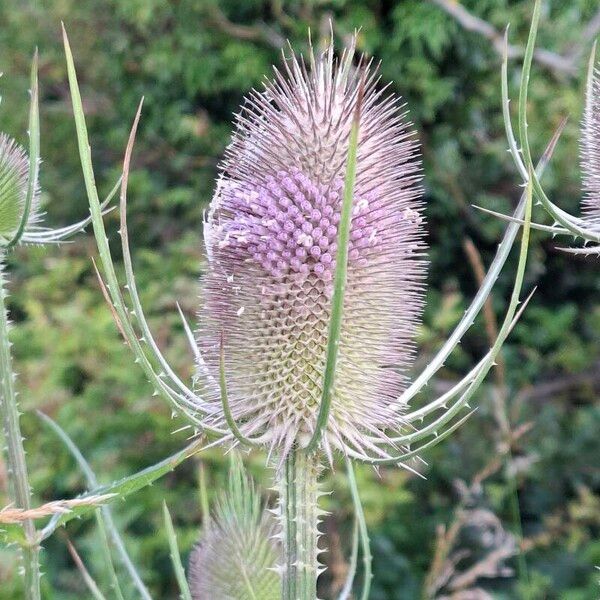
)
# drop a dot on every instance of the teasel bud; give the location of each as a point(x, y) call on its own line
point(14, 181)
point(271, 241)
point(238, 555)
point(590, 151)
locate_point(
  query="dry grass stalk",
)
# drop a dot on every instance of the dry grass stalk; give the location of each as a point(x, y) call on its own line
point(12, 515)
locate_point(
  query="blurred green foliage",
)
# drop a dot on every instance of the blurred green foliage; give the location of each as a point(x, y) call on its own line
point(193, 60)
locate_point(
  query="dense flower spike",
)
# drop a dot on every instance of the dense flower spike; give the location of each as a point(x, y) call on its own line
point(590, 152)
point(14, 169)
point(271, 239)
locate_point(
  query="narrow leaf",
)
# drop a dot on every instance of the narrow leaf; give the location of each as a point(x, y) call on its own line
point(175, 556)
point(127, 485)
point(103, 517)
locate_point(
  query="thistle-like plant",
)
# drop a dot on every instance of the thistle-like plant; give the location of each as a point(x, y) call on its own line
point(313, 292)
point(586, 227)
point(19, 217)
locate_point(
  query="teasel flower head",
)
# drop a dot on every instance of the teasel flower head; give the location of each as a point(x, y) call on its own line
point(590, 151)
point(14, 181)
point(238, 553)
point(271, 241)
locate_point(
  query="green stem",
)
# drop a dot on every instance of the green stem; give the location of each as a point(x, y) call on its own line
point(17, 467)
point(300, 517)
point(362, 529)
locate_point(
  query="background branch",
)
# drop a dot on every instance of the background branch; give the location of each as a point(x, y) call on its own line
point(245, 32)
point(560, 65)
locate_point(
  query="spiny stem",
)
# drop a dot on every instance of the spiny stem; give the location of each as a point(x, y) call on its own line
point(300, 517)
point(17, 467)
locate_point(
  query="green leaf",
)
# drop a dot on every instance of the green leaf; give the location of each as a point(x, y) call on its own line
point(175, 556)
point(127, 485)
point(13, 534)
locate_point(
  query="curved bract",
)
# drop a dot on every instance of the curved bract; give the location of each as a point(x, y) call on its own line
point(19, 213)
point(20, 200)
point(19, 185)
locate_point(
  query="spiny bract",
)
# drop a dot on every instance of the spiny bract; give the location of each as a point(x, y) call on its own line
point(271, 241)
point(590, 153)
point(14, 169)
